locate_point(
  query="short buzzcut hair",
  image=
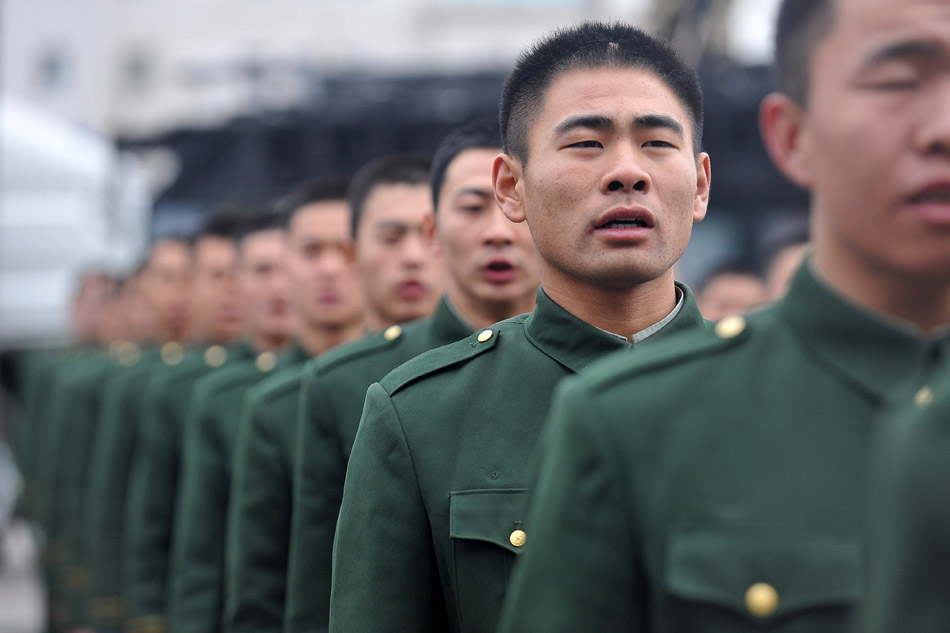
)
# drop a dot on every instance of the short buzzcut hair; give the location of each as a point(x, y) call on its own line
point(410, 168)
point(591, 45)
point(322, 188)
point(801, 25)
point(481, 134)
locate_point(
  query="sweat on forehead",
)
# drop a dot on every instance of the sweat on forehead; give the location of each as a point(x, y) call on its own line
point(591, 45)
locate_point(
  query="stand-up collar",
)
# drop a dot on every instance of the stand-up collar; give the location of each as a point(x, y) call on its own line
point(577, 344)
point(447, 326)
point(881, 356)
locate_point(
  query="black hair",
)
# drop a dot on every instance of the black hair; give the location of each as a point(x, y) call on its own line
point(411, 168)
point(728, 267)
point(482, 133)
point(801, 25)
point(224, 222)
point(259, 222)
point(591, 45)
point(323, 188)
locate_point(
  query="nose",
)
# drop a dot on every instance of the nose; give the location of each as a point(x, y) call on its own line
point(626, 172)
point(415, 249)
point(499, 230)
point(935, 126)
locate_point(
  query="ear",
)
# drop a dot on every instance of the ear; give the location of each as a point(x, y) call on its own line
point(509, 186)
point(782, 124)
point(429, 232)
point(703, 182)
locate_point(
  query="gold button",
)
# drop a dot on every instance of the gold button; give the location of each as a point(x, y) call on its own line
point(392, 332)
point(730, 327)
point(517, 538)
point(761, 599)
point(485, 335)
point(172, 353)
point(924, 397)
point(266, 361)
point(215, 356)
point(127, 353)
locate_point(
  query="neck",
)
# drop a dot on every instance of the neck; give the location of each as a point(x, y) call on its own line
point(921, 302)
point(480, 313)
point(622, 311)
point(267, 342)
point(317, 340)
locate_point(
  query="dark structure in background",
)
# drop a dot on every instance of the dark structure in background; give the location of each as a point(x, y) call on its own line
point(352, 119)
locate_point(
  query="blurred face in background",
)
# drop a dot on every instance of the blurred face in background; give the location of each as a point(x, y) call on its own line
point(325, 287)
point(90, 305)
point(214, 294)
point(402, 275)
point(491, 259)
point(262, 282)
point(731, 293)
point(165, 288)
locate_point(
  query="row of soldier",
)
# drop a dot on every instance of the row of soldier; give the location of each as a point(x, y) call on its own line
point(705, 477)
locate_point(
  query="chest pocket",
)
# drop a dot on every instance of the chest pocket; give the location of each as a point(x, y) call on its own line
point(484, 526)
point(716, 580)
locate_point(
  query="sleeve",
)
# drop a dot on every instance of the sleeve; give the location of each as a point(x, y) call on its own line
point(197, 575)
point(258, 525)
point(319, 472)
point(578, 571)
point(385, 576)
point(151, 502)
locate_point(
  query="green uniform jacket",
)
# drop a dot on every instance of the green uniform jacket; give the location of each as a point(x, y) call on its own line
point(334, 388)
point(196, 589)
point(259, 511)
point(105, 497)
point(154, 484)
point(717, 483)
point(910, 519)
point(435, 489)
point(79, 429)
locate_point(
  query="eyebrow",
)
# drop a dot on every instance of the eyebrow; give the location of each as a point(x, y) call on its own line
point(900, 51)
point(476, 191)
point(599, 122)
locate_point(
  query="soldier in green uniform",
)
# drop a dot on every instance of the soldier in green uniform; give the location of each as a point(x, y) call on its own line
point(213, 318)
point(718, 483)
point(322, 274)
point(474, 238)
point(601, 127)
point(401, 277)
point(76, 420)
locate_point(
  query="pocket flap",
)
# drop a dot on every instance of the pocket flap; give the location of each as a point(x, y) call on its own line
point(487, 515)
point(763, 575)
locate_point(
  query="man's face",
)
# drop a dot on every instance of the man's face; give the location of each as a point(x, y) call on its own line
point(164, 286)
point(324, 280)
point(402, 274)
point(490, 258)
point(262, 281)
point(873, 144)
point(611, 187)
point(215, 299)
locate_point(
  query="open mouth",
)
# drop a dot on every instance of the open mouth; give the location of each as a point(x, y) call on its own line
point(499, 271)
point(624, 224)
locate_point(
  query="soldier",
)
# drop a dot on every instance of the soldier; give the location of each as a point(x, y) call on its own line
point(153, 474)
point(718, 482)
point(401, 276)
point(601, 127)
point(472, 235)
point(322, 294)
point(160, 289)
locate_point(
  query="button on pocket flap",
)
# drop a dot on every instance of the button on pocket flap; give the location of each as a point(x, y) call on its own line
point(763, 575)
point(494, 516)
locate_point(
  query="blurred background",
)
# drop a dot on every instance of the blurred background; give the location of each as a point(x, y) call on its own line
point(123, 120)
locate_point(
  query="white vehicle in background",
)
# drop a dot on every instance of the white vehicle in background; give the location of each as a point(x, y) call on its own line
point(68, 202)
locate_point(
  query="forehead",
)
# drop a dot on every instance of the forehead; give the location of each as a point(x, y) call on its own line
point(864, 29)
point(621, 93)
point(328, 217)
point(472, 164)
point(397, 199)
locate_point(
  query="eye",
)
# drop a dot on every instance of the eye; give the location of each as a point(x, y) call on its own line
point(586, 144)
point(659, 144)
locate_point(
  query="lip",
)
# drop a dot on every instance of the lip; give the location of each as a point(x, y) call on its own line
point(932, 202)
point(411, 289)
point(328, 297)
point(499, 270)
point(625, 213)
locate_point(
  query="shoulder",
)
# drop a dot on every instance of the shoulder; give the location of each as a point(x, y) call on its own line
point(285, 382)
point(367, 350)
point(689, 352)
point(480, 344)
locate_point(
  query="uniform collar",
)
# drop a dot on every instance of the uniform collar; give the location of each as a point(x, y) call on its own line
point(577, 344)
point(296, 353)
point(882, 357)
point(447, 324)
